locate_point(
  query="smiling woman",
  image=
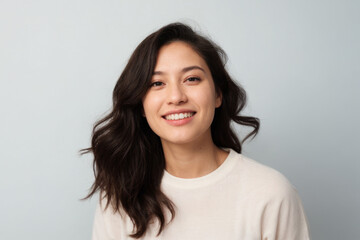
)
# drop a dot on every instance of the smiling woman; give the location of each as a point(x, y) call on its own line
point(184, 87)
point(166, 161)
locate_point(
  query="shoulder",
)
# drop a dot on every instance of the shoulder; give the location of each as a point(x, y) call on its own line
point(276, 204)
point(108, 223)
point(259, 180)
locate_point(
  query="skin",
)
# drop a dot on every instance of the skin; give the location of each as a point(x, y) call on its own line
point(182, 82)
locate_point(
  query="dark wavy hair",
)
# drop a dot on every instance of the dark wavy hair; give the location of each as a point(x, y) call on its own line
point(128, 157)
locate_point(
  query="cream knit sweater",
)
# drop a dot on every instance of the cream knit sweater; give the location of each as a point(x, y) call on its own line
point(242, 199)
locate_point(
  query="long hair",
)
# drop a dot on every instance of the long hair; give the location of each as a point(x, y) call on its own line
point(128, 157)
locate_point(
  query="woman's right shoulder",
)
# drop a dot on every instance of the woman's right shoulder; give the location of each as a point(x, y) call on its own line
point(109, 223)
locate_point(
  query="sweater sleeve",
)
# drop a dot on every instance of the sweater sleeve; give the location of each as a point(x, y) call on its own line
point(283, 217)
point(99, 226)
point(109, 225)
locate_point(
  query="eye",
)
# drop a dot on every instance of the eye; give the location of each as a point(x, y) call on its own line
point(193, 79)
point(156, 84)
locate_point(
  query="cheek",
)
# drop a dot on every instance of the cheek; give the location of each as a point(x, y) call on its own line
point(151, 104)
point(206, 98)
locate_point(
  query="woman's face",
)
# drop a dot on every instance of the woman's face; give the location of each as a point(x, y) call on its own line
point(180, 103)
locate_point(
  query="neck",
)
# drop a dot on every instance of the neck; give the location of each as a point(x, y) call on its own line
point(191, 160)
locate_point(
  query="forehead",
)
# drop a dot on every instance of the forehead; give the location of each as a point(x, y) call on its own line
point(177, 55)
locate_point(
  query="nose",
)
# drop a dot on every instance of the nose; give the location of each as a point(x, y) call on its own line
point(176, 94)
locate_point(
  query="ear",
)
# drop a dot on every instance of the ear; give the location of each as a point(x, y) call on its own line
point(218, 99)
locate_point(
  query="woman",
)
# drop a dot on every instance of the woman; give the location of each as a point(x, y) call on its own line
point(166, 161)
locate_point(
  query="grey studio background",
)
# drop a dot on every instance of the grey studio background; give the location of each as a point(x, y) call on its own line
point(59, 61)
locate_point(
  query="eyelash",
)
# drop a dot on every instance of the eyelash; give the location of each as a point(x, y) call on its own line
point(193, 78)
point(190, 79)
point(155, 84)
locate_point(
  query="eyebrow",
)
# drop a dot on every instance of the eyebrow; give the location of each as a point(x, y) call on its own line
point(184, 70)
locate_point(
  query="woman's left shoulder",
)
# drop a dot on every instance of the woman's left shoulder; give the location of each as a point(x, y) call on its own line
point(273, 199)
point(264, 179)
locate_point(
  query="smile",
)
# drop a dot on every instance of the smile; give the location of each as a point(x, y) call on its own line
point(179, 116)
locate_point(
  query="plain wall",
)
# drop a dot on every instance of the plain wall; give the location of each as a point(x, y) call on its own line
point(59, 61)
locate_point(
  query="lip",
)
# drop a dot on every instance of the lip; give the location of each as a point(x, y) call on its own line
point(178, 111)
point(179, 122)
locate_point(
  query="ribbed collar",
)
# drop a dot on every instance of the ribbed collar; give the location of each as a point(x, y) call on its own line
point(208, 179)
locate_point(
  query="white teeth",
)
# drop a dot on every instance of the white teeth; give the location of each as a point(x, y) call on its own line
point(179, 116)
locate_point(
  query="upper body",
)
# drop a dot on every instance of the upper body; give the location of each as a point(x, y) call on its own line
point(241, 199)
point(161, 155)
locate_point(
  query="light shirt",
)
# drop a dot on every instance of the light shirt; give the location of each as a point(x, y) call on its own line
point(242, 199)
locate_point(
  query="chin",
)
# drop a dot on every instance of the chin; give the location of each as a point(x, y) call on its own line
point(179, 141)
point(182, 139)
